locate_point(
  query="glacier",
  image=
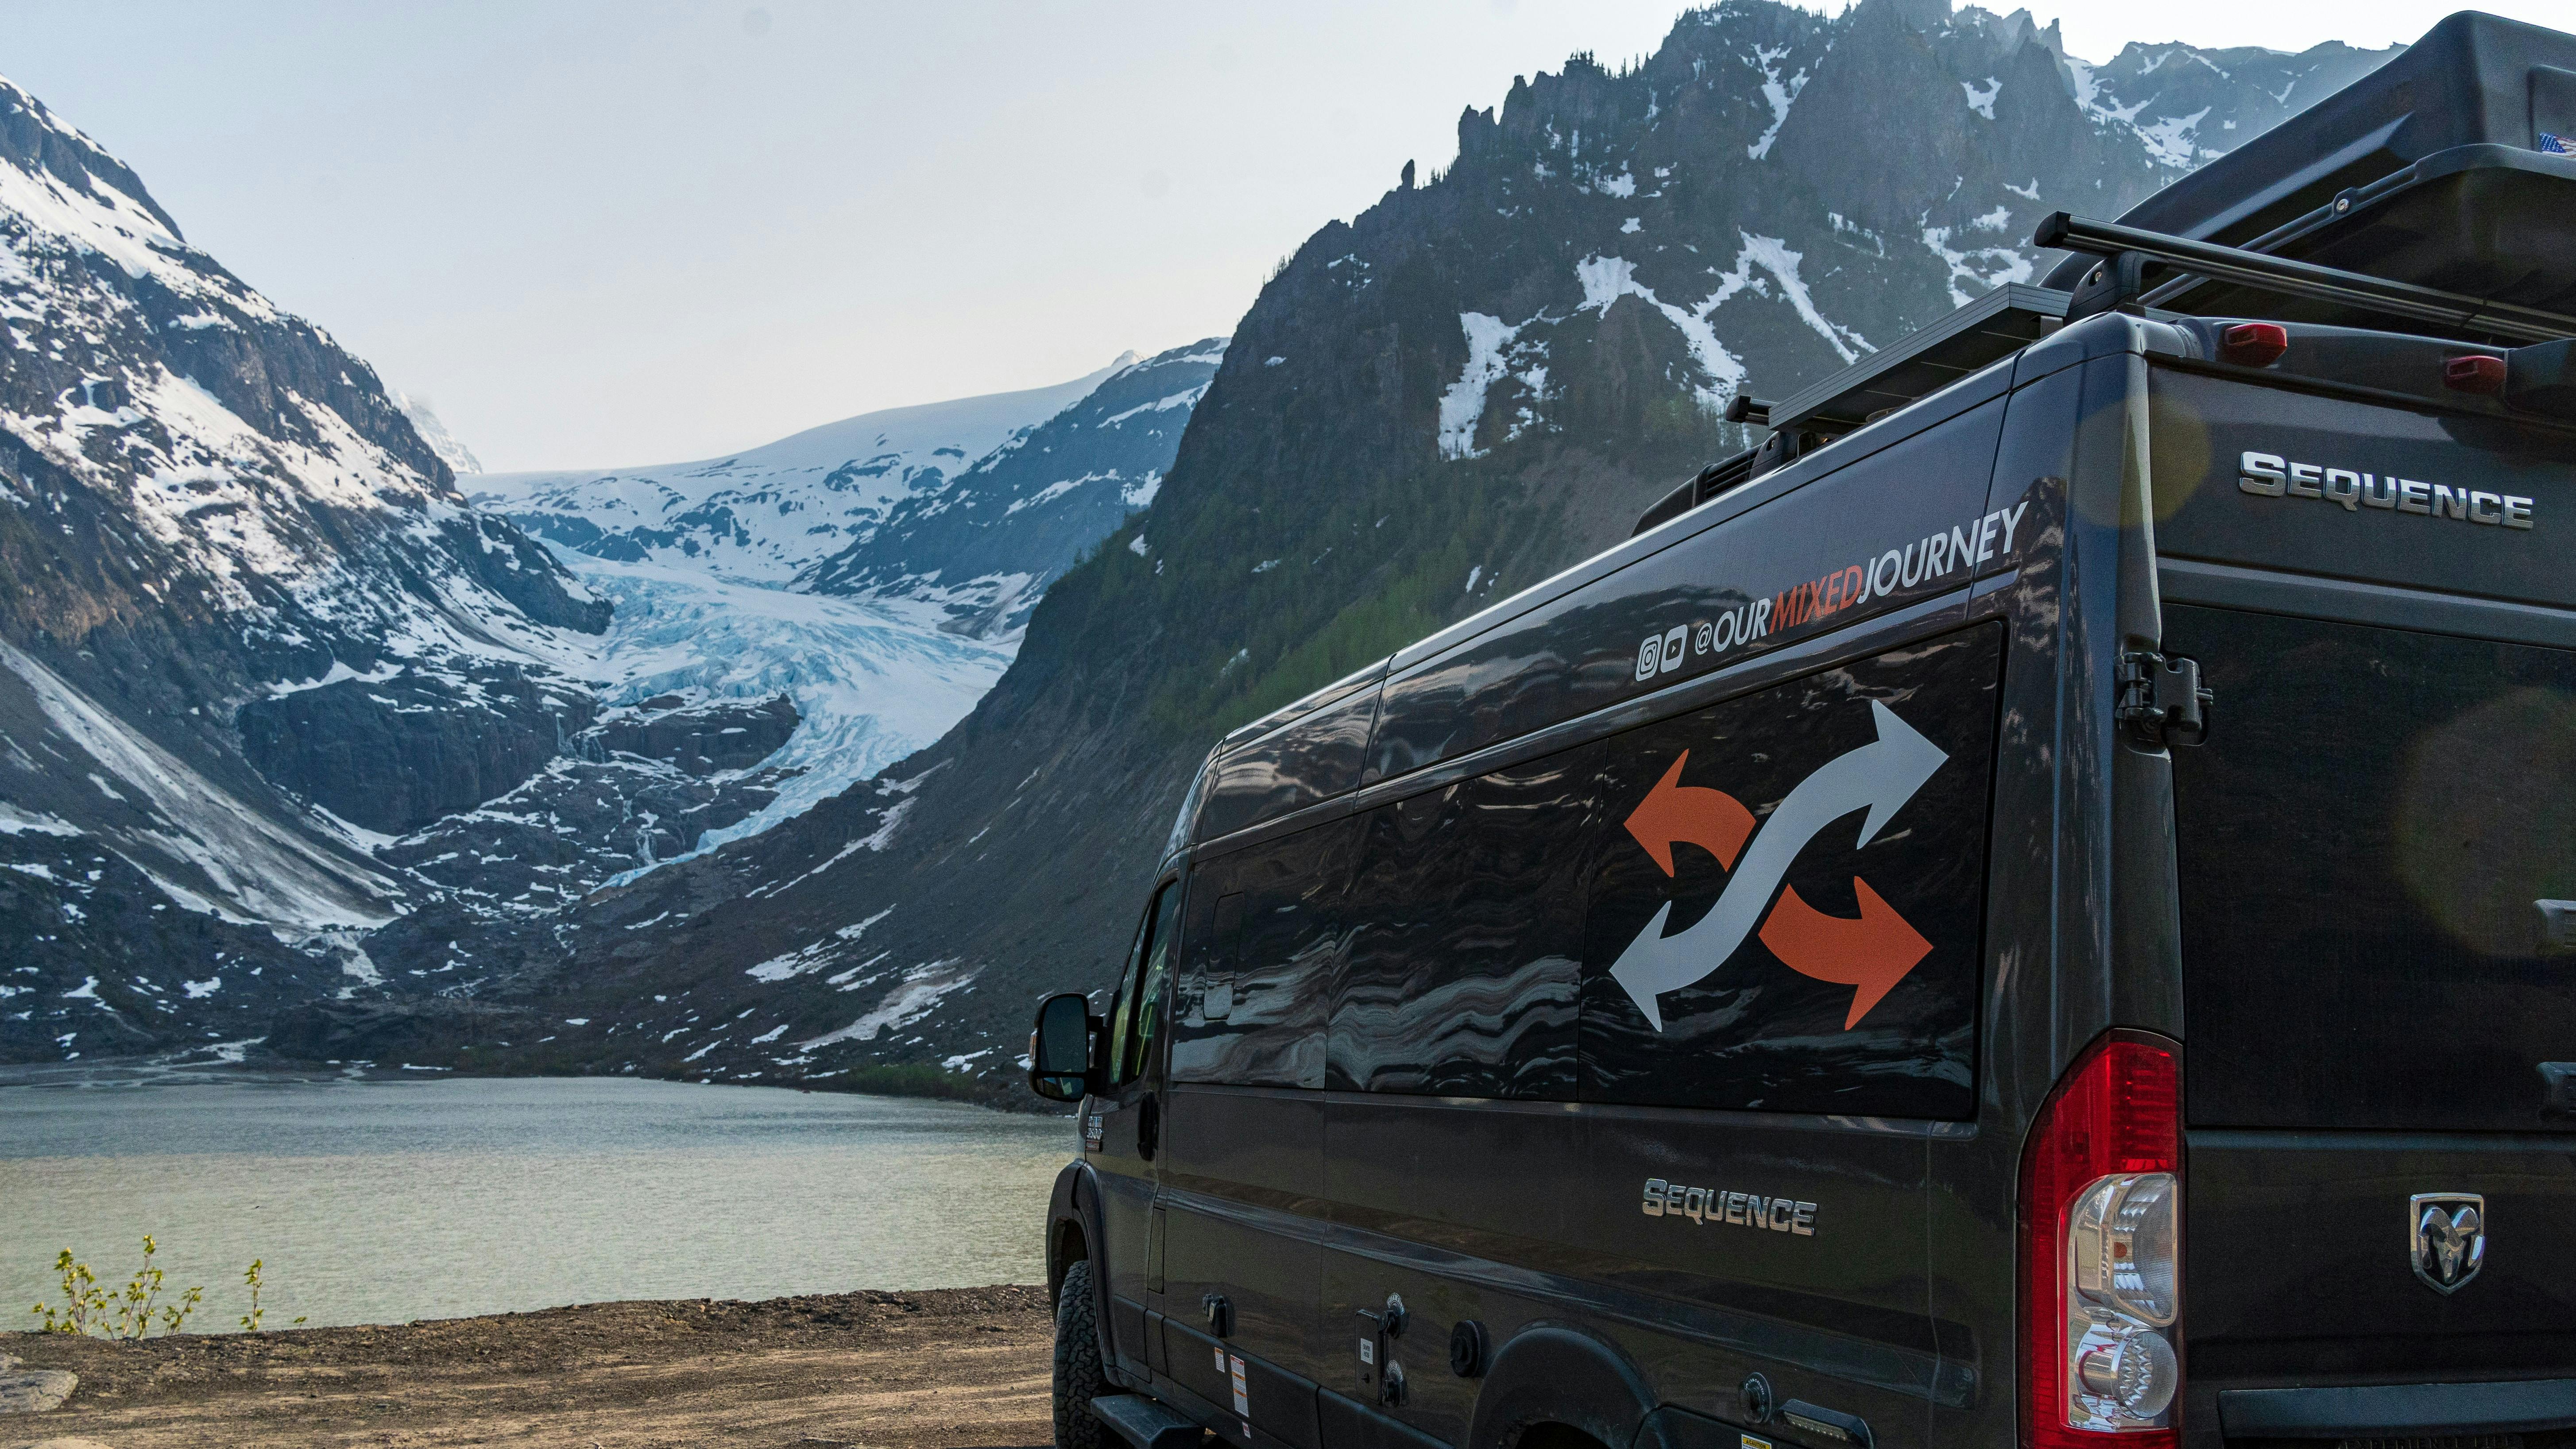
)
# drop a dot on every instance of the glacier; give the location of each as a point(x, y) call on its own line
point(769, 513)
point(872, 680)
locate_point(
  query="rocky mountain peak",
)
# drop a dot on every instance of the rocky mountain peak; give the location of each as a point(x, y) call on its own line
point(37, 143)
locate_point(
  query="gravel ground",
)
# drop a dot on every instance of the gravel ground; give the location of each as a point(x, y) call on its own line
point(953, 1369)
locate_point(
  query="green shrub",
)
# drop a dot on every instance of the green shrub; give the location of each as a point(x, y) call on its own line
point(131, 1311)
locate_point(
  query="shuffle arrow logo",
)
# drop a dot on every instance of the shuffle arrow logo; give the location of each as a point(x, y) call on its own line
point(1870, 954)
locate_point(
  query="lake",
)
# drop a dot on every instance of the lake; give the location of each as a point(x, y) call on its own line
point(385, 1201)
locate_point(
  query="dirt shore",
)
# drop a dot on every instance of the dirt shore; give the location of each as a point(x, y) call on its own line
point(955, 1369)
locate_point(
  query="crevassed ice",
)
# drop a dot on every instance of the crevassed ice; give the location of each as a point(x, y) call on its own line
point(872, 680)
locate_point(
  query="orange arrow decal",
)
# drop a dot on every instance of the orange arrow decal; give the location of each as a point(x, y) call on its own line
point(1672, 811)
point(1871, 954)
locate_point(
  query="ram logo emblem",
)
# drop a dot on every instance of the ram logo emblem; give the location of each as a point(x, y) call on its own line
point(2447, 1235)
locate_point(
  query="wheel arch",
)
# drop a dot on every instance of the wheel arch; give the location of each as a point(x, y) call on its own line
point(1550, 1383)
point(1073, 1231)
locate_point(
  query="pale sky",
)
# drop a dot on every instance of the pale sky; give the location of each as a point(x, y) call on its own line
point(602, 232)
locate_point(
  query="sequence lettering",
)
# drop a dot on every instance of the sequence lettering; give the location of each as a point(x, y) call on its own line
point(2268, 475)
point(1703, 1205)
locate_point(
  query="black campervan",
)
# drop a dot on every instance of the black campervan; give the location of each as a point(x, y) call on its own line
point(2036, 907)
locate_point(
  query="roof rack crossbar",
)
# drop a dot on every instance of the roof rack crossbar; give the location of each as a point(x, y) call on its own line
point(2064, 232)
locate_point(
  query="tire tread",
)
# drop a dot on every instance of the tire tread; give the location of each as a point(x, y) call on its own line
point(1079, 1377)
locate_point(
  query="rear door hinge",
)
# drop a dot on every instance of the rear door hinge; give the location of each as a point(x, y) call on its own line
point(2162, 700)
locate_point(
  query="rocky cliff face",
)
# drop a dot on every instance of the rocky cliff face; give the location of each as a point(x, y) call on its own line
point(243, 613)
point(1469, 386)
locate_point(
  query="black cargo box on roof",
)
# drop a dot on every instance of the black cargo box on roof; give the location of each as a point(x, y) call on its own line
point(2440, 168)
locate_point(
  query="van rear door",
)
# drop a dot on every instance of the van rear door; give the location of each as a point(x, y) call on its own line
point(2379, 1178)
point(2380, 1000)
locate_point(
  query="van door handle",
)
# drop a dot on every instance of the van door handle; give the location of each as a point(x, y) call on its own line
point(2557, 927)
point(1149, 1125)
point(2558, 1089)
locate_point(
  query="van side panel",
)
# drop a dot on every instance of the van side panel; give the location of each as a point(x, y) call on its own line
point(1697, 1213)
point(1464, 929)
point(1314, 758)
point(1261, 956)
point(1904, 524)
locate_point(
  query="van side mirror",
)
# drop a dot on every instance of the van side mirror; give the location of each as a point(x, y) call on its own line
point(1061, 1066)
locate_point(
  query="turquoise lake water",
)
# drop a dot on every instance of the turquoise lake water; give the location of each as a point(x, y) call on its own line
point(386, 1201)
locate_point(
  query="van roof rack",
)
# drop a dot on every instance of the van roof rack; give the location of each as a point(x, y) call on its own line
point(1970, 338)
point(2123, 281)
point(1984, 332)
point(2452, 166)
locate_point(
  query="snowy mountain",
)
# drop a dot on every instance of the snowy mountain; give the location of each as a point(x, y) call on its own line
point(966, 509)
point(767, 515)
point(247, 615)
point(873, 651)
point(982, 547)
point(459, 458)
point(730, 580)
point(1468, 386)
point(285, 719)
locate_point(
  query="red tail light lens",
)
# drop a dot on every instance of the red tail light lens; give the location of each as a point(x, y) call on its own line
point(2101, 1245)
point(2254, 344)
point(2474, 373)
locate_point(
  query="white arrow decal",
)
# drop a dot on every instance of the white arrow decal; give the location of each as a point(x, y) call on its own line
point(1880, 776)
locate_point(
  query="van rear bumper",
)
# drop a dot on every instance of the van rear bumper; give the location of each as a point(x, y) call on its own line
point(2515, 1407)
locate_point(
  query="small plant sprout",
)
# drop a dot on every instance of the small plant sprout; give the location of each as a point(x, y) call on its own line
point(83, 1302)
point(251, 1276)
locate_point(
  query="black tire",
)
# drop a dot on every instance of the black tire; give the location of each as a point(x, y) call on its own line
point(1078, 1379)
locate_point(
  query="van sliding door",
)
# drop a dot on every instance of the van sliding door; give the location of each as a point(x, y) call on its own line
point(1779, 1007)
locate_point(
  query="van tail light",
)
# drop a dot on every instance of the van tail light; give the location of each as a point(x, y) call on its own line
point(2254, 344)
point(2101, 1245)
point(2474, 373)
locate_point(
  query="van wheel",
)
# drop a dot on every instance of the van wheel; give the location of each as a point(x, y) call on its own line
point(1078, 1379)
